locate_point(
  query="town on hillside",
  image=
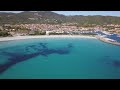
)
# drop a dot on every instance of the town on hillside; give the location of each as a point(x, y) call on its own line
point(50, 23)
point(57, 29)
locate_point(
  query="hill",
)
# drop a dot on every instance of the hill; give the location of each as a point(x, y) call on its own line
point(49, 17)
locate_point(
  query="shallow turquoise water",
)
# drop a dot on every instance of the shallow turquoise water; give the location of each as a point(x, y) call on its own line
point(66, 58)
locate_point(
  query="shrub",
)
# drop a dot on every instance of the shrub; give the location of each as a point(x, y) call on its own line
point(4, 33)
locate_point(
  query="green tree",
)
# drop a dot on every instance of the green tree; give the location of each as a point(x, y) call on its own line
point(4, 33)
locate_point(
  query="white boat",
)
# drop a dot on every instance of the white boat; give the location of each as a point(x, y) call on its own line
point(118, 35)
point(107, 33)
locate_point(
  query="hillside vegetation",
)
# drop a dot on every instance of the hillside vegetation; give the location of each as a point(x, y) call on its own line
point(48, 17)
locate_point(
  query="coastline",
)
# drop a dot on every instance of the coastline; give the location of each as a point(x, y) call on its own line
point(44, 36)
point(106, 40)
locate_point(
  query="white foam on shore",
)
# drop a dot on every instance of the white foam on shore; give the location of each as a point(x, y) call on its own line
point(51, 36)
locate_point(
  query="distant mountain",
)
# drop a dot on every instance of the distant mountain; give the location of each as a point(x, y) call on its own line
point(53, 18)
point(31, 17)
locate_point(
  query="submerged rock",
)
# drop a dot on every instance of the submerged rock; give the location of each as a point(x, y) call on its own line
point(116, 63)
point(19, 57)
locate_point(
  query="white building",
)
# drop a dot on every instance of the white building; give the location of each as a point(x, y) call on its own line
point(47, 32)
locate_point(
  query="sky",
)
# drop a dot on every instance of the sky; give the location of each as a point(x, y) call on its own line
point(85, 13)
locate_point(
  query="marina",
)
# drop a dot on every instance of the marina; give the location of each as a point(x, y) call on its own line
point(109, 38)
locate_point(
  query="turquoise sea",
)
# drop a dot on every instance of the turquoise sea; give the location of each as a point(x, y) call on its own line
point(59, 58)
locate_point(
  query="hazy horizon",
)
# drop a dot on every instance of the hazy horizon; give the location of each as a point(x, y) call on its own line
point(85, 13)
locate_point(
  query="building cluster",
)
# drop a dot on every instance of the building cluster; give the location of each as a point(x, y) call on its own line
point(68, 28)
point(112, 28)
point(49, 27)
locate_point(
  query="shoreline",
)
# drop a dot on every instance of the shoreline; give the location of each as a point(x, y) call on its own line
point(44, 36)
point(103, 39)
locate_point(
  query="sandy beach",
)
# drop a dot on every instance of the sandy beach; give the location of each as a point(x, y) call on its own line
point(44, 36)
